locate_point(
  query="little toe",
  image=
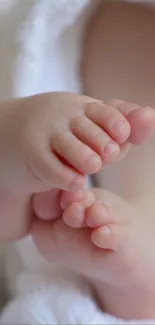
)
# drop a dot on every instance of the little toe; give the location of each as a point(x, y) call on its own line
point(110, 120)
point(98, 214)
point(107, 237)
point(96, 138)
point(76, 154)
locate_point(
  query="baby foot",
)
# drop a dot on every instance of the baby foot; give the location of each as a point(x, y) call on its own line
point(119, 229)
point(113, 249)
point(57, 138)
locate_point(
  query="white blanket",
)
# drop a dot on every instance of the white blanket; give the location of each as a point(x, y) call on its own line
point(58, 300)
point(40, 51)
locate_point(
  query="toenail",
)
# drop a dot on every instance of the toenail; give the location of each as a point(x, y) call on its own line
point(76, 219)
point(120, 127)
point(77, 183)
point(102, 237)
point(78, 211)
point(105, 230)
point(93, 160)
point(98, 217)
point(110, 148)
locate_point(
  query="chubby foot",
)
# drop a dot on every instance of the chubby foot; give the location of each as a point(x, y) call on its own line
point(109, 241)
point(66, 136)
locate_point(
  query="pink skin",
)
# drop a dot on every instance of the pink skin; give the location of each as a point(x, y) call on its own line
point(142, 122)
point(47, 205)
point(106, 249)
point(97, 237)
point(46, 134)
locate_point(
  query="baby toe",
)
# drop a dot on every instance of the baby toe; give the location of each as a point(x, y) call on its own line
point(47, 205)
point(96, 138)
point(107, 237)
point(76, 154)
point(74, 216)
point(142, 123)
point(97, 215)
point(67, 198)
point(110, 120)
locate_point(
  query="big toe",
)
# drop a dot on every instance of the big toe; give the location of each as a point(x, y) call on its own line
point(47, 205)
point(142, 123)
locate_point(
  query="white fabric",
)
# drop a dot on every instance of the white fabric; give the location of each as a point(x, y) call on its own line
point(31, 61)
point(58, 301)
point(40, 51)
